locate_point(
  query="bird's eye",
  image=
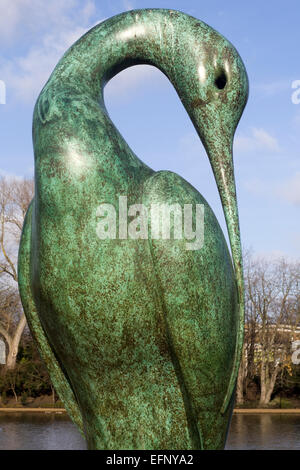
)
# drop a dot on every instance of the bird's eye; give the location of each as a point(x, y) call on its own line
point(221, 80)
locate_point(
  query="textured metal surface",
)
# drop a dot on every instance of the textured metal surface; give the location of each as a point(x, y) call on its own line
point(142, 338)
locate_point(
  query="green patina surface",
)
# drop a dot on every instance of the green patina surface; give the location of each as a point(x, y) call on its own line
point(142, 338)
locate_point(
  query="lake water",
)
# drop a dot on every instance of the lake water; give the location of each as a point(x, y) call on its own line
point(40, 431)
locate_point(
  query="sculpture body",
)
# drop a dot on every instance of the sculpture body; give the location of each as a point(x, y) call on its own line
point(142, 338)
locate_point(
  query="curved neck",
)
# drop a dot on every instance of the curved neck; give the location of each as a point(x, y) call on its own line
point(156, 37)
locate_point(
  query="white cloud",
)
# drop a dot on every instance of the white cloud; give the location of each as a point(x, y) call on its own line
point(259, 139)
point(58, 28)
point(290, 190)
point(24, 76)
point(54, 27)
point(30, 16)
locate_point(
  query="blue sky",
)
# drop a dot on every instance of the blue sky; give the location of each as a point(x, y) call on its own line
point(144, 106)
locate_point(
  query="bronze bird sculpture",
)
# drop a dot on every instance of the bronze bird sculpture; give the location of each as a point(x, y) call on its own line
point(141, 336)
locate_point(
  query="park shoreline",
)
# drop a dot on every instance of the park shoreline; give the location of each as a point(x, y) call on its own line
point(236, 411)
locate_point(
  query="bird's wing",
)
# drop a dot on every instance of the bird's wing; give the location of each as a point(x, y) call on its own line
point(56, 373)
point(199, 298)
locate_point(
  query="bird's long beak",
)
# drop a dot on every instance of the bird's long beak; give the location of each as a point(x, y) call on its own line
point(220, 155)
point(221, 161)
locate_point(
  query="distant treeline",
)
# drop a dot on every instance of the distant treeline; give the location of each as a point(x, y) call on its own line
point(28, 379)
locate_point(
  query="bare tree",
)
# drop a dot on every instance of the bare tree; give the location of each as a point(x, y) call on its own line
point(247, 370)
point(15, 196)
point(271, 318)
point(240, 387)
point(272, 293)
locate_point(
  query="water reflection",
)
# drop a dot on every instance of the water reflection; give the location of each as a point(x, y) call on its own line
point(38, 431)
point(264, 431)
point(35, 431)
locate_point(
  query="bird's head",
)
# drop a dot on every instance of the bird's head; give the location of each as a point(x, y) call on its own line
point(214, 92)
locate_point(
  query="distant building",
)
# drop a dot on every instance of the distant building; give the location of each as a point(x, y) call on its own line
point(286, 334)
